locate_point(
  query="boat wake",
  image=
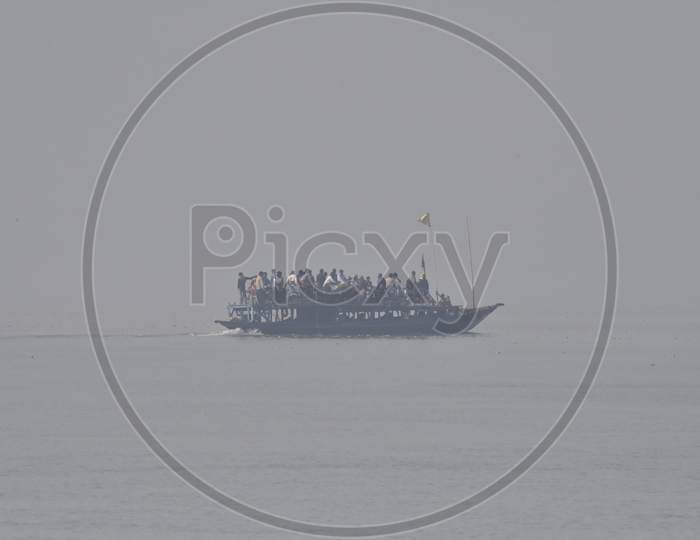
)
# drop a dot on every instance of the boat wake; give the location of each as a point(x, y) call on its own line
point(236, 332)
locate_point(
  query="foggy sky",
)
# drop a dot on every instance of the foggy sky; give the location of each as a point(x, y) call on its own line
point(351, 123)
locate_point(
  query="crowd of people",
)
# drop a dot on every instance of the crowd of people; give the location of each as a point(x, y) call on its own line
point(264, 287)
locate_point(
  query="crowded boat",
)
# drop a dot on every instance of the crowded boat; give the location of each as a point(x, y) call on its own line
point(275, 287)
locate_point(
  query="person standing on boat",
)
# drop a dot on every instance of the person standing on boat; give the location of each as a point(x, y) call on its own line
point(280, 291)
point(306, 282)
point(330, 282)
point(242, 286)
point(424, 287)
point(261, 283)
point(411, 288)
point(252, 292)
point(260, 280)
point(320, 278)
point(393, 285)
point(379, 290)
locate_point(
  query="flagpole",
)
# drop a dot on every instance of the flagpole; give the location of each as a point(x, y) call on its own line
point(434, 259)
point(425, 220)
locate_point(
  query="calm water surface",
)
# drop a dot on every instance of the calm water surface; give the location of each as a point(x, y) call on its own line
point(353, 431)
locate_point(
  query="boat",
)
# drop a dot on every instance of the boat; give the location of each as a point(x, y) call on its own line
point(302, 316)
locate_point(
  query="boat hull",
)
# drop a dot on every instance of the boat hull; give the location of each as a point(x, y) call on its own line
point(320, 326)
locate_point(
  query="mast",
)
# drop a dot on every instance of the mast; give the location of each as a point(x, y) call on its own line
point(471, 264)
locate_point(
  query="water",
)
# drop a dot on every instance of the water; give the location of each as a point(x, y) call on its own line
point(353, 431)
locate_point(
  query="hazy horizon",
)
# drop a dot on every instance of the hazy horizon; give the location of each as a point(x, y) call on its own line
point(387, 119)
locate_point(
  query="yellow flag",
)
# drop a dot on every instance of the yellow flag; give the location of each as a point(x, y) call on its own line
point(425, 219)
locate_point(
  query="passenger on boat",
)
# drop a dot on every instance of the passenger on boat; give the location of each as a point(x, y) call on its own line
point(389, 281)
point(320, 277)
point(424, 289)
point(412, 290)
point(292, 284)
point(379, 290)
point(260, 280)
point(252, 292)
point(306, 283)
point(444, 300)
point(329, 283)
point(280, 290)
point(242, 279)
point(277, 279)
point(423, 286)
point(393, 286)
